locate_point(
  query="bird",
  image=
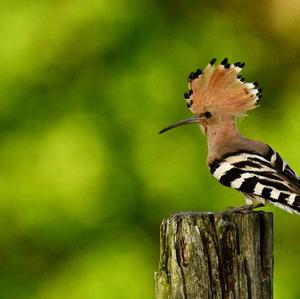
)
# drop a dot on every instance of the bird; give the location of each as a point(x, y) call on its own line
point(217, 97)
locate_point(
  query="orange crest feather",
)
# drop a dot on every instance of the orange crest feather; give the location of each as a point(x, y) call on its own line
point(221, 88)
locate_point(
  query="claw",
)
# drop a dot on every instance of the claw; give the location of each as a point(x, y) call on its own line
point(244, 209)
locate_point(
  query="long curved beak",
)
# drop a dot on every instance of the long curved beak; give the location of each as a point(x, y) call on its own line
point(191, 120)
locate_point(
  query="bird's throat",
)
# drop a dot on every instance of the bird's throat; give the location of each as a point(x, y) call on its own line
point(219, 135)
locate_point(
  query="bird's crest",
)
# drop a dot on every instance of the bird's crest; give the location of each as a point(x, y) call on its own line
point(221, 88)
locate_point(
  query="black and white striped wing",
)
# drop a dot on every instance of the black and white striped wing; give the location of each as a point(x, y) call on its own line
point(261, 178)
point(281, 165)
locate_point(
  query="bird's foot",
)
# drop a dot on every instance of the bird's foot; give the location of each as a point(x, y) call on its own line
point(244, 209)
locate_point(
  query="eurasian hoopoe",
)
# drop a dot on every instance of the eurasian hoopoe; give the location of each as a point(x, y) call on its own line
point(217, 96)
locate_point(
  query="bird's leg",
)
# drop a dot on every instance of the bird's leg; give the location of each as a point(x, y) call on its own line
point(244, 209)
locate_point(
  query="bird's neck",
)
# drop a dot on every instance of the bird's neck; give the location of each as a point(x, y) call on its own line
point(220, 136)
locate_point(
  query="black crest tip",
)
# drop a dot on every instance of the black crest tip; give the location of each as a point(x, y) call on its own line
point(189, 104)
point(191, 76)
point(224, 61)
point(212, 62)
point(198, 72)
point(195, 76)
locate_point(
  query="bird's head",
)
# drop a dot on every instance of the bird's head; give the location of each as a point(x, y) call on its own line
point(217, 94)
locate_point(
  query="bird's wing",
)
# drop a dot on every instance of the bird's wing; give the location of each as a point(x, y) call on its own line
point(281, 165)
point(257, 175)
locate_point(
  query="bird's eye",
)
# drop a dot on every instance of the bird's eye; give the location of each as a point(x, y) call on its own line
point(207, 114)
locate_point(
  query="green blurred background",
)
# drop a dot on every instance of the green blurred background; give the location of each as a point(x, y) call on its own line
point(85, 179)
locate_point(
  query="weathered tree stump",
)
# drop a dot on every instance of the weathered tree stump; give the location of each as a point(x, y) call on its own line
point(216, 255)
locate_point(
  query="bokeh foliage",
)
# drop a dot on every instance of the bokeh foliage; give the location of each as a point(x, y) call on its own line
point(85, 179)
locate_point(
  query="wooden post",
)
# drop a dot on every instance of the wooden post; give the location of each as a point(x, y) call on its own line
point(216, 255)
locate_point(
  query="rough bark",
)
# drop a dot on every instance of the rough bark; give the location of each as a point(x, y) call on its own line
point(216, 255)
